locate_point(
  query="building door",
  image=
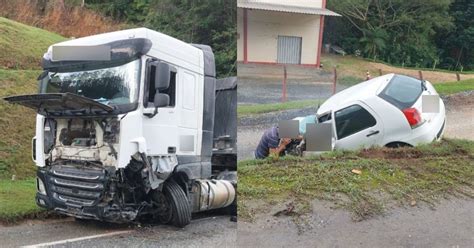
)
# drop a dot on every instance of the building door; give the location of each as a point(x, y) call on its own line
point(289, 49)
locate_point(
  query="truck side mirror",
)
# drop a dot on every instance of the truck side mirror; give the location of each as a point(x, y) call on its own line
point(161, 100)
point(162, 76)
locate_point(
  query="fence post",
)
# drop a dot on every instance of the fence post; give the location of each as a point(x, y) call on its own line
point(380, 72)
point(458, 76)
point(283, 99)
point(420, 75)
point(334, 83)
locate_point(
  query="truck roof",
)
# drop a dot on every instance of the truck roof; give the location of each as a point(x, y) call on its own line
point(163, 46)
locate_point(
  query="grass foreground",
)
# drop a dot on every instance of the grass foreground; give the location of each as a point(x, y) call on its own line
point(401, 176)
point(17, 200)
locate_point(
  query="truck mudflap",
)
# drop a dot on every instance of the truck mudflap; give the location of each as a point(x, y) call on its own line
point(81, 192)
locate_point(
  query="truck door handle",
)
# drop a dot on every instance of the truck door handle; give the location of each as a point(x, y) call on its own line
point(371, 133)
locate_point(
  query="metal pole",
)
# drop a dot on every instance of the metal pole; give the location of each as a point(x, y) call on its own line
point(334, 83)
point(284, 84)
point(420, 74)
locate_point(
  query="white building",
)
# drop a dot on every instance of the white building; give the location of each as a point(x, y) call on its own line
point(281, 31)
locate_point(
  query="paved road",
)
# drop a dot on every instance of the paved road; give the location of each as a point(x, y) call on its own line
point(209, 231)
point(451, 224)
point(252, 91)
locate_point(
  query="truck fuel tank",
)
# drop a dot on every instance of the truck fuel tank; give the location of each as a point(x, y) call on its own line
point(212, 194)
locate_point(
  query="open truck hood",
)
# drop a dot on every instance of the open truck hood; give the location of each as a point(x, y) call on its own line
point(61, 104)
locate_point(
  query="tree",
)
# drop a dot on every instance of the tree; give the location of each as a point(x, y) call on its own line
point(457, 46)
point(373, 41)
point(211, 22)
point(399, 31)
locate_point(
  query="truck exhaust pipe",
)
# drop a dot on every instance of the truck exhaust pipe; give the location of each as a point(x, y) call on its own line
point(212, 194)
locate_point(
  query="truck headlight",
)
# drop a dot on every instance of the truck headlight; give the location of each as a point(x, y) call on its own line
point(40, 186)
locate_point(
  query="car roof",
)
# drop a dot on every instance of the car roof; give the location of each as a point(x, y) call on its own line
point(361, 91)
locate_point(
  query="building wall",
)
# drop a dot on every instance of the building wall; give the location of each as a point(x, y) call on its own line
point(264, 27)
point(240, 34)
point(300, 3)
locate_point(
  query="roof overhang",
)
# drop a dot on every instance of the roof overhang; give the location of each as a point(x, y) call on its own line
point(299, 9)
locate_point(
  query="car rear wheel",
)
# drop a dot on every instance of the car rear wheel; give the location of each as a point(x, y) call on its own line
point(397, 145)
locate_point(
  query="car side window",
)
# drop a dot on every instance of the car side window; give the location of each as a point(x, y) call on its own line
point(352, 119)
point(150, 87)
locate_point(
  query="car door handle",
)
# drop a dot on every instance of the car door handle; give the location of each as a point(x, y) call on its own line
point(371, 133)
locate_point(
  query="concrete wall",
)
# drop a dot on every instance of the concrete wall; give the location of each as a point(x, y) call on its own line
point(264, 27)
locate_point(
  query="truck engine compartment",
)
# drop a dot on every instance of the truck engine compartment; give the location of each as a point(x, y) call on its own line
point(80, 178)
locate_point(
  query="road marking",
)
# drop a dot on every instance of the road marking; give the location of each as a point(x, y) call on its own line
point(77, 239)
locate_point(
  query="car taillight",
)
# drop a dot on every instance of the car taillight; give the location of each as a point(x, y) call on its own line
point(413, 117)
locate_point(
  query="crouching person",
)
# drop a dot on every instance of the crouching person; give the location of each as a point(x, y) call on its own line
point(270, 144)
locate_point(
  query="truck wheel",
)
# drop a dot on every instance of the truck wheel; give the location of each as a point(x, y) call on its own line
point(180, 207)
point(165, 212)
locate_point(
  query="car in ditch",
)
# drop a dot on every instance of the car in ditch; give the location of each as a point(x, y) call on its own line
point(384, 111)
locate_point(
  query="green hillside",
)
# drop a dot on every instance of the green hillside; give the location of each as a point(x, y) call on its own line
point(16, 124)
point(22, 46)
point(21, 49)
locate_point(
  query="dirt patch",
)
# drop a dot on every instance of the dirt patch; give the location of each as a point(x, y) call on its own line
point(460, 116)
point(39, 216)
point(388, 153)
point(353, 66)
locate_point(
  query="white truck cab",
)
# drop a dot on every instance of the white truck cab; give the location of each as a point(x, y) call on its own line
point(133, 123)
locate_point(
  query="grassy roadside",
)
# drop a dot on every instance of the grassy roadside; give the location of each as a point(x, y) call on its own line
point(243, 110)
point(17, 200)
point(389, 176)
point(16, 124)
point(351, 66)
point(454, 87)
point(22, 46)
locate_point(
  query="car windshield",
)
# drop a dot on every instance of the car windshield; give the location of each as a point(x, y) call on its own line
point(402, 91)
point(111, 86)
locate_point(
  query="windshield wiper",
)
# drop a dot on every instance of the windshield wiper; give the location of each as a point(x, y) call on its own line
point(423, 85)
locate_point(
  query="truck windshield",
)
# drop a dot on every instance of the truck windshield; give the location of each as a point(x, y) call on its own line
point(111, 86)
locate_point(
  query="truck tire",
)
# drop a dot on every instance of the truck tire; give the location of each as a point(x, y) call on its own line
point(181, 209)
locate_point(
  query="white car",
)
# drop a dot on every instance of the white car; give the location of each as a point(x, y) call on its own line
point(384, 111)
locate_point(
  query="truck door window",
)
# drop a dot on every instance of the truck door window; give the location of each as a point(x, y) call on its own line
point(353, 119)
point(171, 91)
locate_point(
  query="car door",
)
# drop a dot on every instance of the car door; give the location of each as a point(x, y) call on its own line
point(356, 126)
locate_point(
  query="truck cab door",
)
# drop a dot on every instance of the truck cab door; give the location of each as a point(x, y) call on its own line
point(174, 128)
point(160, 128)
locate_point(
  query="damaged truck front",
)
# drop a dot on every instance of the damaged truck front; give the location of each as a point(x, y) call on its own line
point(128, 128)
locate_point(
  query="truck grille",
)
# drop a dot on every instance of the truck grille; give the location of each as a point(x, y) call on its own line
point(77, 186)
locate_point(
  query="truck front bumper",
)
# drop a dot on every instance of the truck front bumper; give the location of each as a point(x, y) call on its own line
point(80, 192)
